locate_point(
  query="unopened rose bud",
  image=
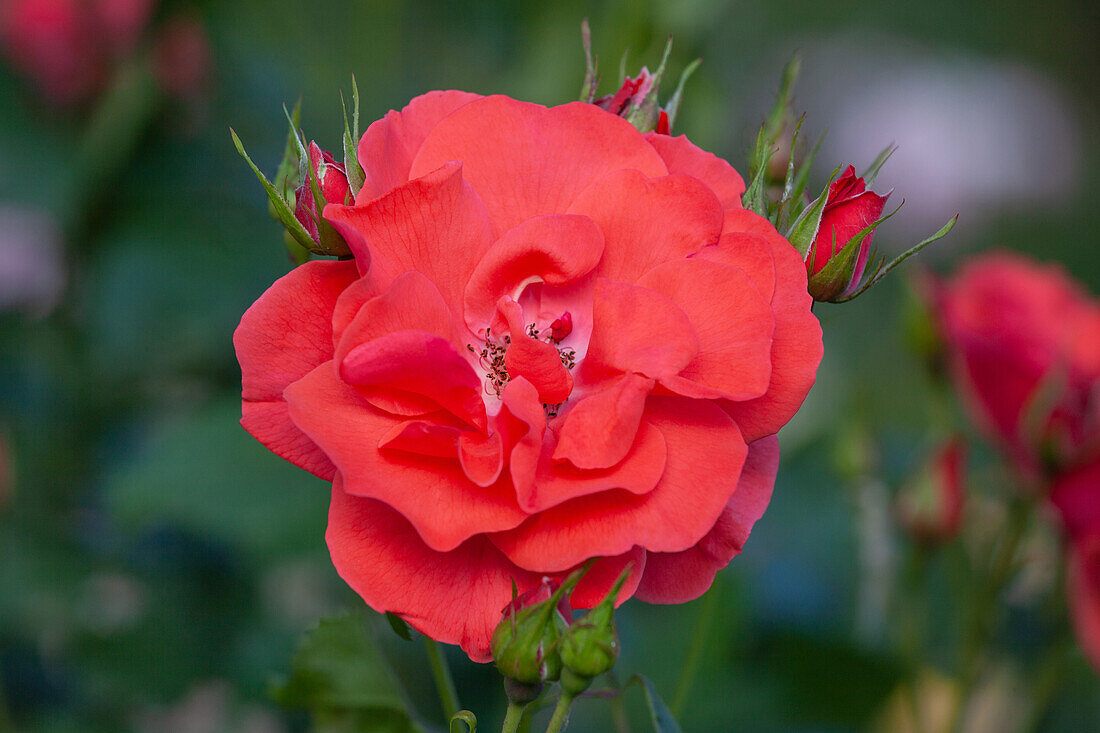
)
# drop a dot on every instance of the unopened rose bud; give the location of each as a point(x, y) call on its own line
point(835, 269)
point(591, 645)
point(525, 642)
point(930, 506)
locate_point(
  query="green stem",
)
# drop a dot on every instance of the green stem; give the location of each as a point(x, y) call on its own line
point(694, 658)
point(561, 714)
point(512, 718)
point(618, 709)
point(982, 619)
point(448, 696)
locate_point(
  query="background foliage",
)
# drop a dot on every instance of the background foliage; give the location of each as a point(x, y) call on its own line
point(157, 565)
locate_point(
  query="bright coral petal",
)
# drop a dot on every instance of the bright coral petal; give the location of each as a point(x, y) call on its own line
point(281, 338)
point(682, 156)
point(433, 493)
point(705, 454)
point(387, 148)
point(732, 321)
point(421, 363)
point(796, 343)
point(639, 472)
point(647, 222)
point(551, 154)
point(679, 577)
point(481, 456)
point(600, 429)
point(522, 425)
point(435, 225)
point(554, 249)
point(424, 437)
point(597, 582)
point(455, 597)
point(637, 330)
point(749, 252)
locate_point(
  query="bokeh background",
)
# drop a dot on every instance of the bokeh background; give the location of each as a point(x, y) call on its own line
point(157, 564)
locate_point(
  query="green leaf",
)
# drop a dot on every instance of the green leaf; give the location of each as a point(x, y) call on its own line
point(801, 178)
point(463, 722)
point(341, 678)
point(663, 721)
point(282, 210)
point(880, 271)
point(399, 626)
point(673, 106)
point(356, 175)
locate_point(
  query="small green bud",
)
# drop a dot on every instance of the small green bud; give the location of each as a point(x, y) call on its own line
point(525, 642)
point(591, 645)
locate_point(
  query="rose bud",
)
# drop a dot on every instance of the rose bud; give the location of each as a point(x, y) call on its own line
point(182, 58)
point(930, 506)
point(525, 643)
point(591, 645)
point(47, 42)
point(849, 209)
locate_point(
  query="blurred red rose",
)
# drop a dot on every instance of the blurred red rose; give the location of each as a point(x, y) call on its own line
point(931, 506)
point(181, 56)
point(849, 209)
point(471, 444)
point(66, 47)
point(1084, 594)
point(1023, 342)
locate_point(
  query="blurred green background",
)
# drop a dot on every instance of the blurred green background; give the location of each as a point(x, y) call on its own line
point(157, 564)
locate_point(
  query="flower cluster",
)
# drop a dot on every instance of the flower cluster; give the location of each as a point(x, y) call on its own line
point(557, 339)
point(1023, 346)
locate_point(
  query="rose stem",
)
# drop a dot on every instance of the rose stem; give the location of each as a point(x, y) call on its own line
point(448, 695)
point(699, 643)
point(512, 718)
point(561, 714)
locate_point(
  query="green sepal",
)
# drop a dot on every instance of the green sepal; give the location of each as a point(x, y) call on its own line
point(880, 270)
point(286, 175)
point(753, 197)
point(876, 165)
point(591, 66)
point(673, 106)
point(298, 254)
point(797, 202)
point(777, 118)
point(590, 647)
point(355, 173)
point(462, 719)
point(803, 230)
point(836, 276)
point(331, 243)
point(282, 211)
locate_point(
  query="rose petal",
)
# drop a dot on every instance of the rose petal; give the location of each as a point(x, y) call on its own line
point(281, 338)
point(679, 577)
point(637, 330)
point(552, 154)
point(682, 156)
point(749, 252)
point(455, 597)
point(435, 225)
point(522, 424)
point(647, 222)
point(554, 249)
point(796, 342)
point(637, 473)
point(432, 493)
point(387, 148)
point(423, 437)
point(421, 363)
point(600, 429)
point(481, 456)
point(732, 322)
point(536, 361)
point(705, 454)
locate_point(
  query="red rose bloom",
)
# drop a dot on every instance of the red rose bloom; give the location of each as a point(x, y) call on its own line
point(1023, 341)
point(559, 339)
